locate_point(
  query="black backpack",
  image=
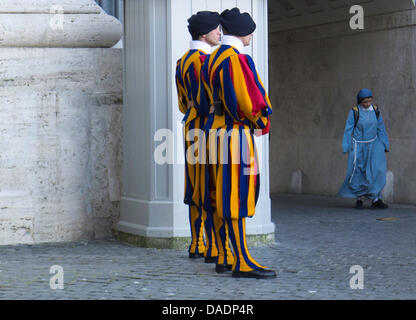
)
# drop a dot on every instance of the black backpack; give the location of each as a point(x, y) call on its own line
point(357, 113)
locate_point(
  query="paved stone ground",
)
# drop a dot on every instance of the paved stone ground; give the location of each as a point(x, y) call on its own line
point(318, 239)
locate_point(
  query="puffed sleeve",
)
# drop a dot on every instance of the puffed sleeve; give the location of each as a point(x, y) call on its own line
point(243, 92)
point(193, 74)
point(180, 87)
point(204, 94)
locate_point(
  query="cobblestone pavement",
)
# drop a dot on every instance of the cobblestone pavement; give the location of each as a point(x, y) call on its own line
point(318, 239)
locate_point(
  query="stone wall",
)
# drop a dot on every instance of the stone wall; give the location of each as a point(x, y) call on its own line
point(60, 142)
point(315, 74)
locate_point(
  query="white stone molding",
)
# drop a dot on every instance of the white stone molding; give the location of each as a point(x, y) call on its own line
point(57, 23)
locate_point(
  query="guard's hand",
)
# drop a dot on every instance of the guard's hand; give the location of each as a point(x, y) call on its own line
point(258, 132)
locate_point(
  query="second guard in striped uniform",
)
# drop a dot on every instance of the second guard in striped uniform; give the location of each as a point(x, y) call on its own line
point(240, 106)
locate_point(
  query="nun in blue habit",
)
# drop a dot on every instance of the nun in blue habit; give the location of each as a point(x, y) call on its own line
point(365, 140)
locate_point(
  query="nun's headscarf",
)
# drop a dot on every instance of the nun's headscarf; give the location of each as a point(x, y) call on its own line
point(363, 94)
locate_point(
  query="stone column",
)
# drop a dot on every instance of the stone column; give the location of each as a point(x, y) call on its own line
point(60, 126)
point(152, 209)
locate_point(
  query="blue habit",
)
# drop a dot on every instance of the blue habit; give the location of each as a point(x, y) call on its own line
point(366, 145)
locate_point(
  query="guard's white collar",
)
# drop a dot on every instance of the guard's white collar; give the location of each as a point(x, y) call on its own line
point(200, 45)
point(234, 42)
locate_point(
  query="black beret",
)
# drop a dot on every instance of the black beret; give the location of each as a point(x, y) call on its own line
point(237, 23)
point(203, 22)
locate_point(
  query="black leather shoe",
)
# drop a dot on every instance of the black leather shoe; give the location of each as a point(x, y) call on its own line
point(222, 268)
point(379, 205)
point(195, 255)
point(257, 274)
point(211, 259)
point(359, 204)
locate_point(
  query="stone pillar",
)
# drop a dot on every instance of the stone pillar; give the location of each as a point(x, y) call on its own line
point(60, 126)
point(152, 209)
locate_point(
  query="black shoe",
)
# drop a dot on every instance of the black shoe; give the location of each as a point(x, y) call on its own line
point(379, 205)
point(359, 204)
point(195, 255)
point(211, 259)
point(222, 268)
point(258, 274)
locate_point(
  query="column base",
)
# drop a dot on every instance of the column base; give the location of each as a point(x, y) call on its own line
point(164, 224)
point(260, 240)
point(253, 240)
point(151, 242)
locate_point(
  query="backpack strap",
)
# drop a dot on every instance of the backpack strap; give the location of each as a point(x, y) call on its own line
point(377, 111)
point(356, 111)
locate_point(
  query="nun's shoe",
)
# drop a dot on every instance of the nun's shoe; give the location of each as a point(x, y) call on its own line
point(210, 259)
point(195, 255)
point(222, 268)
point(359, 204)
point(257, 274)
point(379, 205)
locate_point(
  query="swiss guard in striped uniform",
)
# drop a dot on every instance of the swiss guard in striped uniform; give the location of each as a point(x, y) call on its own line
point(204, 28)
point(240, 107)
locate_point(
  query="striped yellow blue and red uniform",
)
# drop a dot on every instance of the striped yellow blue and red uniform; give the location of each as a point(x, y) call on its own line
point(231, 78)
point(208, 186)
point(187, 81)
